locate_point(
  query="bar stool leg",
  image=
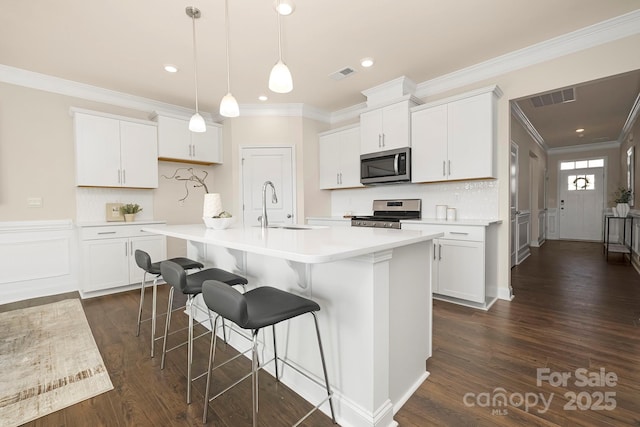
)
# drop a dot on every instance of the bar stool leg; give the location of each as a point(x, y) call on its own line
point(166, 326)
point(142, 285)
point(254, 377)
point(189, 346)
point(153, 316)
point(212, 354)
point(324, 368)
point(275, 352)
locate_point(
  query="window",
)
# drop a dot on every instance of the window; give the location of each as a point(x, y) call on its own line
point(582, 164)
point(581, 182)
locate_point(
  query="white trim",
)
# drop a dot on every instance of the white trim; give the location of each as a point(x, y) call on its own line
point(521, 118)
point(584, 147)
point(33, 226)
point(631, 119)
point(594, 35)
point(285, 110)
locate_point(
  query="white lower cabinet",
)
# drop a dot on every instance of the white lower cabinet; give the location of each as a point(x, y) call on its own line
point(108, 260)
point(464, 269)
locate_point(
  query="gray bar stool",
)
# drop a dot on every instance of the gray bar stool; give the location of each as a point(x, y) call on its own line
point(191, 286)
point(254, 310)
point(144, 262)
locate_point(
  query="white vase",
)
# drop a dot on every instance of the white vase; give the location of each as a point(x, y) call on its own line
point(623, 209)
point(212, 205)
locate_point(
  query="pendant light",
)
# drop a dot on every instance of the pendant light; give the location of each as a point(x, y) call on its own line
point(196, 124)
point(280, 79)
point(228, 105)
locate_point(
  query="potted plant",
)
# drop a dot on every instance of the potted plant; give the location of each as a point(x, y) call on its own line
point(129, 211)
point(622, 196)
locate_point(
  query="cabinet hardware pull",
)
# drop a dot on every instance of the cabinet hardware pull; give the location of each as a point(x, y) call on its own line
point(434, 251)
point(383, 136)
point(443, 170)
point(379, 140)
point(340, 178)
point(439, 251)
point(131, 246)
point(124, 176)
point(106, 232)
point(337, 178)
point(449, 167)
point(459, 232)
point(194, 150)
point(126, 252)
point(119, 176)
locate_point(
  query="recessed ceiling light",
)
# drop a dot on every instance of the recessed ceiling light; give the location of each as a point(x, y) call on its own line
point(366, 62)
point(580, 130)
point(170, 68)
point(284, 7)
point(263, 97)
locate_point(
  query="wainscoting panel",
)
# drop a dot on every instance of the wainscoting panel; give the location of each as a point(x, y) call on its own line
point(37, 258)
point(552, 224)
point(524, 237)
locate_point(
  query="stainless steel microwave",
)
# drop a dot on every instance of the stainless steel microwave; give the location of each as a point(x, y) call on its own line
point(385, 167)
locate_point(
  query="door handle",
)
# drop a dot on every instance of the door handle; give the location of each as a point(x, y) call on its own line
point(289, 215)
point(395, 163)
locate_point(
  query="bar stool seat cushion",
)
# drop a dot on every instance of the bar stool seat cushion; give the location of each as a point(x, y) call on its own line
point(257, 308)
point(193, 282)
point(186, 263)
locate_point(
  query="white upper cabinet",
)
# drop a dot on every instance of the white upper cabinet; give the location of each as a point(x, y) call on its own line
point(339, 158)
point(386, 128)
point(455, 140)
point(177, 143)
point(114, 152)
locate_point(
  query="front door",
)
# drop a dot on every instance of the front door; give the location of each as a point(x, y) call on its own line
point(261, 164)
point(581, 203)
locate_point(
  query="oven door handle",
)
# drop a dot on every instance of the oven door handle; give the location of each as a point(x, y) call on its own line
point(396, 159)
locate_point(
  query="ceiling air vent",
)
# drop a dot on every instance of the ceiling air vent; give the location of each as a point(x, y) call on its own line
point(341, 74)
point(551, 98)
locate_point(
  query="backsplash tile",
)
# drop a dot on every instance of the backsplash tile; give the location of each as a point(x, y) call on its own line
point(472, 199)
point(91, 202)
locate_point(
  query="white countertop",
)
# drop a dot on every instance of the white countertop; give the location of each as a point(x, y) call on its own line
point(433, 221)
point(118, 223)
point(311, 246)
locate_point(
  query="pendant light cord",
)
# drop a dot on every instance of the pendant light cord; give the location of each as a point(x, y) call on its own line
point(226, 17)
point(279, 32)
point(195, 56)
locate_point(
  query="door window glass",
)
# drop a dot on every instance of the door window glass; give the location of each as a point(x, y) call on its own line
point(581, 182)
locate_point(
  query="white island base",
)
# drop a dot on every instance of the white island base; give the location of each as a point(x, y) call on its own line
point(375, 316)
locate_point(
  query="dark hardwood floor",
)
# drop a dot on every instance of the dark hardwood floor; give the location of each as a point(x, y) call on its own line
point(572, 311)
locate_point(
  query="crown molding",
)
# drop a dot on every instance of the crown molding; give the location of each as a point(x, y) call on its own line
point(603, 32)
point(584, 147)
point(519, 115)
point(33, 80)
point(284, 110)
point(631, 119)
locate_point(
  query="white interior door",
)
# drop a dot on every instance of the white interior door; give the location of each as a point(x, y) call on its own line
point(581, 203)
point(513, 187)
point(261, 164)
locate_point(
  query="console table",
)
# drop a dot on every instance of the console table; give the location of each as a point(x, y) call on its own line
point(622, 246)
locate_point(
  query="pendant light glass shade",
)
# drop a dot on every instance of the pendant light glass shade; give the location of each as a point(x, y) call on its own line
point(229, 106)
point(280, 79)
point(197, 124)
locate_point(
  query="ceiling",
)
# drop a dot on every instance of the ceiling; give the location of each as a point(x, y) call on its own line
point(600, 107)
point(123, 45)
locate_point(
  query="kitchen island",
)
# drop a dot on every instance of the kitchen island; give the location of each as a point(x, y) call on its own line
point(376, 306)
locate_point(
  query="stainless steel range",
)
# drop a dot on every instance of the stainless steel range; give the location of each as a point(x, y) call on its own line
point(388, 213)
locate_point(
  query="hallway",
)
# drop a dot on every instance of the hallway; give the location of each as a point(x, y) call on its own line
point(571, 310)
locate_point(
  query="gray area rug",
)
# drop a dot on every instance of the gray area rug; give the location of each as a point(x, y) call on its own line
point(48, 361)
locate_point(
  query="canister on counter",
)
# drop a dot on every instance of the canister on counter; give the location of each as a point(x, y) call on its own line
point(441, 211)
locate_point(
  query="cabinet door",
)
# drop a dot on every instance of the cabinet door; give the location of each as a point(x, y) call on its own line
point(174, 139)
point(205, 146)
point(154, 245)
point(396, 121)
point(435, 269)
point(139, 155)
point(105, 264)
point(348, 153)
point(371, 131)
point(329, 161)
point(97, 141)
point(429, 136)
point(461, 269)
point(471, 137)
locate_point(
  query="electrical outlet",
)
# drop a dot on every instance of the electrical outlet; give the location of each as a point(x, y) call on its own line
point(34, 202)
